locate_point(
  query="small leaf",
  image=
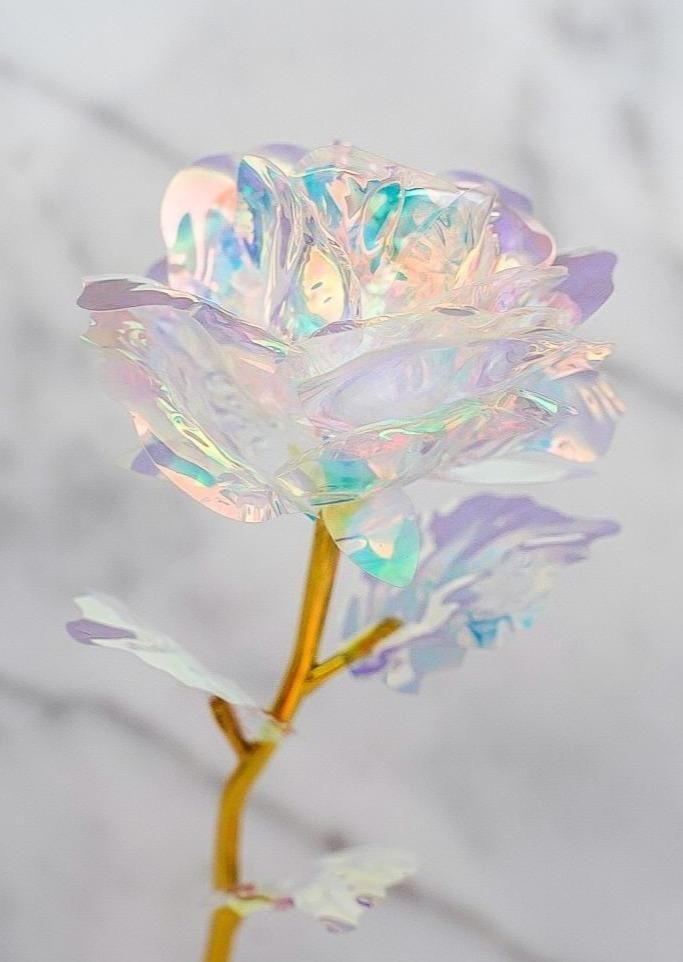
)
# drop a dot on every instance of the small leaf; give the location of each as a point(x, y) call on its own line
point(347, 884)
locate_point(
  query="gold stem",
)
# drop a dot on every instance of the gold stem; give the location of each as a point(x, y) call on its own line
point(224, 925)
point(253, 758)
point(321, 573)
point(302, 676)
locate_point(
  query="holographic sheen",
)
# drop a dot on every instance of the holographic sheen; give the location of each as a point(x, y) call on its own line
point(106, 623)
point(380, 535)
point(347, 884)
point(489, 564)
point(327, 325)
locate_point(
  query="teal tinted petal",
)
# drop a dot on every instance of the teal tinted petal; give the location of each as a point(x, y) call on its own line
point(379, 534)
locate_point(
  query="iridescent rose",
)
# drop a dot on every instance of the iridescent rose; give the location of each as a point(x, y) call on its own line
point(328, 327)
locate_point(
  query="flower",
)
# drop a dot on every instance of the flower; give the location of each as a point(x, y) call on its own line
point(328, 327)
point(490, 563)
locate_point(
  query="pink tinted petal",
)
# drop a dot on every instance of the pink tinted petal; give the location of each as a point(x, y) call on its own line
point(228, 493)
point(587, 435)
point(582, 433)
point(206, 254)
point(201, 388)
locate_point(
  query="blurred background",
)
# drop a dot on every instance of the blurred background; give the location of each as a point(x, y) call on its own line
point(541, 786)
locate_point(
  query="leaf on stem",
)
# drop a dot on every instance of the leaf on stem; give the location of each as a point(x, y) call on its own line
point(106, 623)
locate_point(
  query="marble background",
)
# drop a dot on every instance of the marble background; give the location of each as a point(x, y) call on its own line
point(541, 786)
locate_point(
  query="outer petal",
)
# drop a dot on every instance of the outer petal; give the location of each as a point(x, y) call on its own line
point(587, 435)
point(562, 449)
point(204, 389)
point(355, 465)
point(589, 280)
point(513, 237)
point(379, 534)
point(286, 156)
point(510, 197)
point(415, 378)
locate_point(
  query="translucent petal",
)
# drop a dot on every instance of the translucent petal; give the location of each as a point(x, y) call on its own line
point(204, 387)
point(417, 377)
point(350, 882)
point(286, 156)
point(589, 411)
point(587, 435)
point(405, 233)
point(379, 534)
point(357, 464)
point(513, 238)
point(204, 254)
point(509, 196)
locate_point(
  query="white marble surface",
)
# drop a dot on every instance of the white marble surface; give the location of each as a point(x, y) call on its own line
point(541, 786)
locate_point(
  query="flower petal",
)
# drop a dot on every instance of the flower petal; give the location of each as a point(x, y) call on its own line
point(203, 388)
point(589, 281)
point(405, 233)
point(587, 435)
point(415, 378)
point(379, 534)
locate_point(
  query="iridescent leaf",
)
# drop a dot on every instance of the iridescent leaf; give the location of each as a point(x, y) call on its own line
point(490, 563)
